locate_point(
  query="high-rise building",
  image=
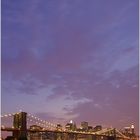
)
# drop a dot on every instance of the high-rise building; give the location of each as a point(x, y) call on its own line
point(59, 127)
point(97, 128)
point(132, 129)
point(129, 131)
point(84, 126)
point(90, 128)
point(70, 126)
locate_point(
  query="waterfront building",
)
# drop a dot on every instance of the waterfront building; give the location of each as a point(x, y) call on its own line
point(84, 126)
point(70, 126)
point(97, 128)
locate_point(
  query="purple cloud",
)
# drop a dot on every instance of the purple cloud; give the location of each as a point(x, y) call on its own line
point(76, 59)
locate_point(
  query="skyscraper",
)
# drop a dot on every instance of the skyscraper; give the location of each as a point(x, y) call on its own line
point(84, 126)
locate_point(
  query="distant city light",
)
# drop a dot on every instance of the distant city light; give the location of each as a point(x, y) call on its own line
point(132, 126)
point(70, 127)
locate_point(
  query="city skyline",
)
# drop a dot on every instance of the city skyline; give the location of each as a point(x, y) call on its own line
point(71, 60)
point(35, 126)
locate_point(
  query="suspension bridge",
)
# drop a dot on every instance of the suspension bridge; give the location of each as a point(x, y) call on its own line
point(28, 126)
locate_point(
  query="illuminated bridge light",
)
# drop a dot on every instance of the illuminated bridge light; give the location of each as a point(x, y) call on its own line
point(3, 127)
point(9, 114)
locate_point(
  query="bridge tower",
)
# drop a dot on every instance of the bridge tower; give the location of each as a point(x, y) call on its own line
point(20, 122)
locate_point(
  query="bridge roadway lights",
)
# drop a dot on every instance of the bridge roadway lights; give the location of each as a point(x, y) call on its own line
point(63, 135)
point(20, 131)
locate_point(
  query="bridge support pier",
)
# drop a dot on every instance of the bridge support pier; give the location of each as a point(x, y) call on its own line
point(20, 122)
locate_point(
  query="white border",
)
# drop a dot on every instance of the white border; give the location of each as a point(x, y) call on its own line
point(0, 68)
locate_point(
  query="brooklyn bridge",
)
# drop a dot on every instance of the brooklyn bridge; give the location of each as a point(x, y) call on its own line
point(43, 130)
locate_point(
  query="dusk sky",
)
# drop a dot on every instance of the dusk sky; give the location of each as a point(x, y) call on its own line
point(71, 59)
